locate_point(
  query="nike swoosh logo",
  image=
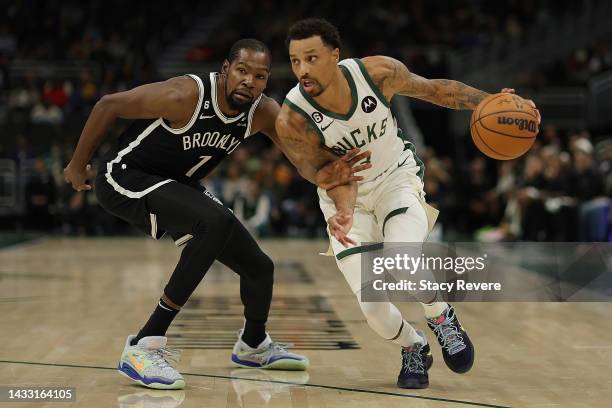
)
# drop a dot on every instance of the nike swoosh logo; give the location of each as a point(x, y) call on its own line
point(137, 364)
point(323, 128)
point(207, 117)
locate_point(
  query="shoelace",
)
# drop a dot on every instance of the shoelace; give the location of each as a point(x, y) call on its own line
point(165, 357)
point(450, 335)
point(274, 348)
point(280, 347)
point(412, 362)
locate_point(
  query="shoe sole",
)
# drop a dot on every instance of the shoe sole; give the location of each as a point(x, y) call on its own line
point(177, 385)
point(286, 364)
point(412, 386)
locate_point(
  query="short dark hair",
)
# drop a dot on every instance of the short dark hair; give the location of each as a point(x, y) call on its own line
point(247, 44)
point(311, 27)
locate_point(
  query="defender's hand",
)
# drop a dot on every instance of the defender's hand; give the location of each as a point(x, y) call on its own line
point(339, 226)
point(527, 101)
point(342, 170)
point(78, 177)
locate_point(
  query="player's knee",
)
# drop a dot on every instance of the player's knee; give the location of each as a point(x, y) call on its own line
point(264, 267)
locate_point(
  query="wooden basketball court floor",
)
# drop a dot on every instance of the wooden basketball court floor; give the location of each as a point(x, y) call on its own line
point(68, 304)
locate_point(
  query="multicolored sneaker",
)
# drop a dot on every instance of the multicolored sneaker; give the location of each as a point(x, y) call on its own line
point(416, 360)
point(457, 349)
point(268, 355)
point(149, 363)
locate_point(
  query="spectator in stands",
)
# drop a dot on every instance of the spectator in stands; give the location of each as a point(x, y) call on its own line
point(473, 191)
point(585, 181)
point(252, 208)
point(44, 112)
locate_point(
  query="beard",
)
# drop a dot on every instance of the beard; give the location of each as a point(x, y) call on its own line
point(316, 90)
point(234, 103)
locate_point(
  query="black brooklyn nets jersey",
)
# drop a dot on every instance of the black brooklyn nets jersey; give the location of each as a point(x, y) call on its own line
point(186, 154)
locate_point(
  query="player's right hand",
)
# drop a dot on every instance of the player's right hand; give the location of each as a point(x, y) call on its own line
point(339, 226)
point(78, 176)
point(342, 170)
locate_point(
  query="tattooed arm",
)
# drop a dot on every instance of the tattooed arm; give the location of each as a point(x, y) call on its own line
point(392, 77)
point(299, 140)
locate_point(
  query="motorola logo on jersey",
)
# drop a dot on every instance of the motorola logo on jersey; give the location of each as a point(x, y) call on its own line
point(368, 104)
point(317, 116)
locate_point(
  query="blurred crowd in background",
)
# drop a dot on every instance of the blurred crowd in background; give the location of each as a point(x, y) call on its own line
point(551, 193)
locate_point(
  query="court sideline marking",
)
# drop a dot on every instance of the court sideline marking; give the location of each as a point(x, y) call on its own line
point(227, 377)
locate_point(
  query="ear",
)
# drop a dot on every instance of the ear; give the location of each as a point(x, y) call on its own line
point(336, 54)
point(225, 67)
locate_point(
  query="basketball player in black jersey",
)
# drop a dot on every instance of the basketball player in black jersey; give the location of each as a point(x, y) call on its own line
point(183, 128)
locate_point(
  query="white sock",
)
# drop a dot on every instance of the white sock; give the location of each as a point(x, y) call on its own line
point(434, 309)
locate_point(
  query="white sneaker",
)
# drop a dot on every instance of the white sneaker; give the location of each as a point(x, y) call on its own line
point(268, 354)
point(149, 363)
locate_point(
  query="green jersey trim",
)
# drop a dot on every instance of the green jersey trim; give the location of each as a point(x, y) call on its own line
point(393, 213)
point(354, 98)
point(370, 82)
point(358, 250)
point(408, 145)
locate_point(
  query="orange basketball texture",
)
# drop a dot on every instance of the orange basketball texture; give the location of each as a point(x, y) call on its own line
point(504, 126)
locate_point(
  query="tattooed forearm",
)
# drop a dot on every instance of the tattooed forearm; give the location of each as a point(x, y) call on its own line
point(455, 94)
point(444, 92)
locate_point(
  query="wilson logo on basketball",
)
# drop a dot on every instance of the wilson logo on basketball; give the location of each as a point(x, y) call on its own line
point(522, 124)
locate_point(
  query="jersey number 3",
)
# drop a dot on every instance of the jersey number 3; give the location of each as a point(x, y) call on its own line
point(197, 166)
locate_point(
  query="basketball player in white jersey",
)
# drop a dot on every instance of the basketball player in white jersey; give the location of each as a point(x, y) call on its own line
point(341, 105)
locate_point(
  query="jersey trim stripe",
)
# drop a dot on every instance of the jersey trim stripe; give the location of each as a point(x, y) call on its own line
point(393, 213)
point(213, 97)
point(247, 132)
point(408, 145)
point(370, 82)
point(354, 97)
point(153, 225)
point(196, 112)
point(117, 160)
point(299, 110)
point(359, 250)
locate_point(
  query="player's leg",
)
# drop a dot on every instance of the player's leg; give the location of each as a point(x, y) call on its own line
point(405, 221)
point(181, 210)
point(177, 208)
point(255, 348)
point(382, 316)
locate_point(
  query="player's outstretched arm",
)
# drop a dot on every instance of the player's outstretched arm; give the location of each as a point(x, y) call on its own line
point(173, 100)
point(302, 146)
point(393, 78)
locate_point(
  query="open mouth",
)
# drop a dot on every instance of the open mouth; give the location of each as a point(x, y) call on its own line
point(308, 84)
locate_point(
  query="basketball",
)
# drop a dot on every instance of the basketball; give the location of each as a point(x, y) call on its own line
point(504, 126)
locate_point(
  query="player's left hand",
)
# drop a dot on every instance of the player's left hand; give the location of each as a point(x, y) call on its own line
point(339, 226)
point(342, 170)
point(528, 101)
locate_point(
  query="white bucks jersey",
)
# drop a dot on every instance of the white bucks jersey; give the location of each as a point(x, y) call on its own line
point(369, 124)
